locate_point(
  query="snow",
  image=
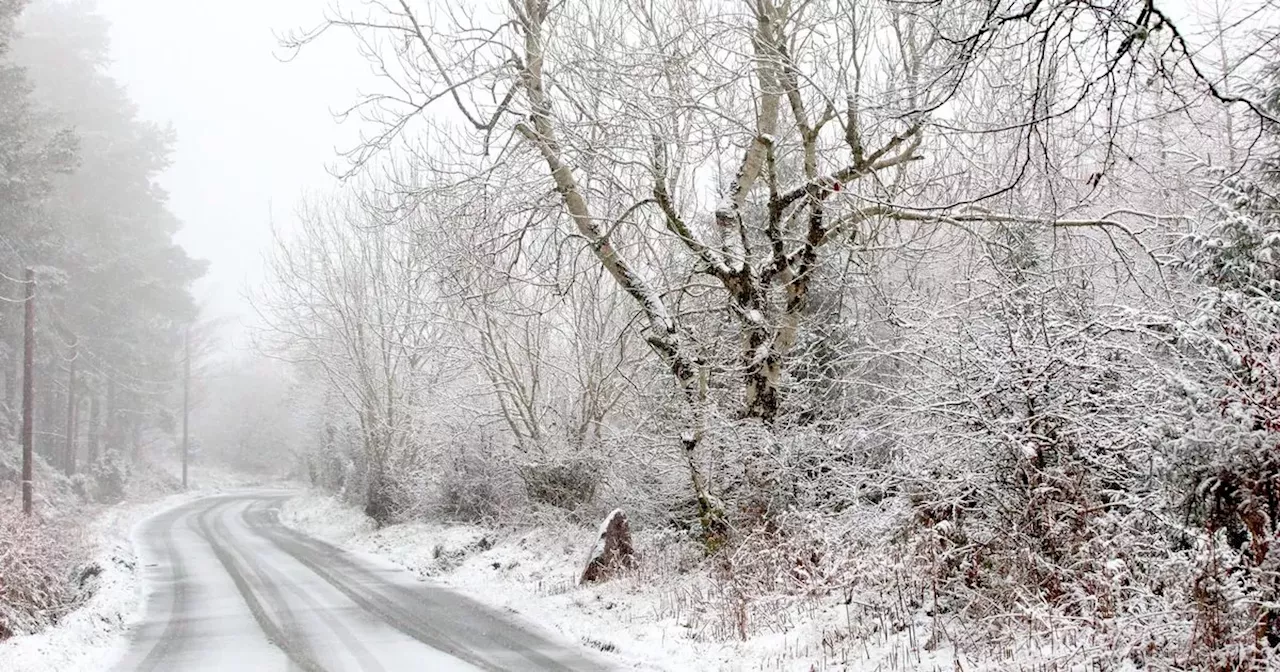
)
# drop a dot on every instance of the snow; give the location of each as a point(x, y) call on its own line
point(96, 635)
point(96, 632)
point(224, 594)
point(530, 572)
point(665, 615)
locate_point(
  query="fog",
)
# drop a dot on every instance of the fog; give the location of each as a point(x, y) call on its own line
point(712, 334)
point(254, 133)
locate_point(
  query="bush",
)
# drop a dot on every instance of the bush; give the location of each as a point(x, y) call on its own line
point(327, 470)
point(38, 562)
point(566, 484)
point(1229, 477)
point(469, 489)
point(109, 475)
point(385, 498)
point(1034, 489)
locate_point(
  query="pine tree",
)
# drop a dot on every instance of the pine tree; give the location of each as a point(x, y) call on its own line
point(104, 229)
point(33, 150)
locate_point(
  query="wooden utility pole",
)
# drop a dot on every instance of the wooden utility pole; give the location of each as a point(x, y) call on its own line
point(28, 387)
point(95, 422)
point(186, 400)
point(69, 463)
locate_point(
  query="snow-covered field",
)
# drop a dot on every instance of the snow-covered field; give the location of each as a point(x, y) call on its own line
point(666, 615)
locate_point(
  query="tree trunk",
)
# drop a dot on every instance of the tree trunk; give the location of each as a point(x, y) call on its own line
point(763, 363)
point(11, 390)
point(715, 527)
point(95, 425)
point(13, 372)
point(112, 431)
point(49, 422)
point(765, 347)
point(135, 436)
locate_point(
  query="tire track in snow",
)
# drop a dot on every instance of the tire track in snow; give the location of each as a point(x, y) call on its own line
point(363, 657)
point(235, 589)
point(175, 626)
point(468, 631)
point(384, 610)
point(283, 635)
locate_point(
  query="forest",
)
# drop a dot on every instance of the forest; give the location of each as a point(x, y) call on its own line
point(963, 311)
point(80, 207)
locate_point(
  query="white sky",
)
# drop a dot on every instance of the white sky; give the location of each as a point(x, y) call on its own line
point(253, 133)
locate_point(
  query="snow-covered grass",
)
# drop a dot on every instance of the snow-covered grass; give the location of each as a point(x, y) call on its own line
point(670, 613)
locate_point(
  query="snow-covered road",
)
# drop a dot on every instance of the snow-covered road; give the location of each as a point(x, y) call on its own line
point(230, 588)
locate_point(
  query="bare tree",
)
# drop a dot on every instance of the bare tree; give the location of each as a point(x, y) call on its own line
point(716, 160)
point(349, 298)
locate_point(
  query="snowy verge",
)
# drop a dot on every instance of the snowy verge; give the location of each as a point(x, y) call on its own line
point(530, 573)
point(95, 632)
point(667, 614)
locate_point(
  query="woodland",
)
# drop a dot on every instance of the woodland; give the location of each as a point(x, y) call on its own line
point(975, 302)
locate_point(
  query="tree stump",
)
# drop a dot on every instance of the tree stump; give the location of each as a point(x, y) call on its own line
point(612, 551)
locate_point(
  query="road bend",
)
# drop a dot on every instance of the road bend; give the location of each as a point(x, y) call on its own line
point(231, 588)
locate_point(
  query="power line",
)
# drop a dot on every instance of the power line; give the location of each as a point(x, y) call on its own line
point(102, 362)
point(16, 254)
point(168, 384)
point(10, 278)
point(96, 368)
point(92, 361)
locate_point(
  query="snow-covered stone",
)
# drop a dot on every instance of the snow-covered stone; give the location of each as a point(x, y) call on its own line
point(612, 550)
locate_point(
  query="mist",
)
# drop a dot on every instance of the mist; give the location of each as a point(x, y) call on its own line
point(648, 334)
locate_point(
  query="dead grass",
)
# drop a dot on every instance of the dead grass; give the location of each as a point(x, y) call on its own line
point(43, 574)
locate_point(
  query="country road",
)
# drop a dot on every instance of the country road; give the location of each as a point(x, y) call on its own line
point(230, 588)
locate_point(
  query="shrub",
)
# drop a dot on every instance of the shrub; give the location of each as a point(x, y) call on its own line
point(469, 489)
point(38, 562)
point(566, 484)
point(110, 474)
point(386, 498)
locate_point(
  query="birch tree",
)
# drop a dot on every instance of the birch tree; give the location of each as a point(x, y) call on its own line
point(713, 158)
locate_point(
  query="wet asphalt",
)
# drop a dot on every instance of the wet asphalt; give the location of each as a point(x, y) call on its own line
point(231, 588)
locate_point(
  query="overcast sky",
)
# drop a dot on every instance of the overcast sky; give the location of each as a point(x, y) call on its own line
point(254, 133)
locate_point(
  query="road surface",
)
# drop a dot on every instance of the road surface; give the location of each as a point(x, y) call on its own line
point(230, 588)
